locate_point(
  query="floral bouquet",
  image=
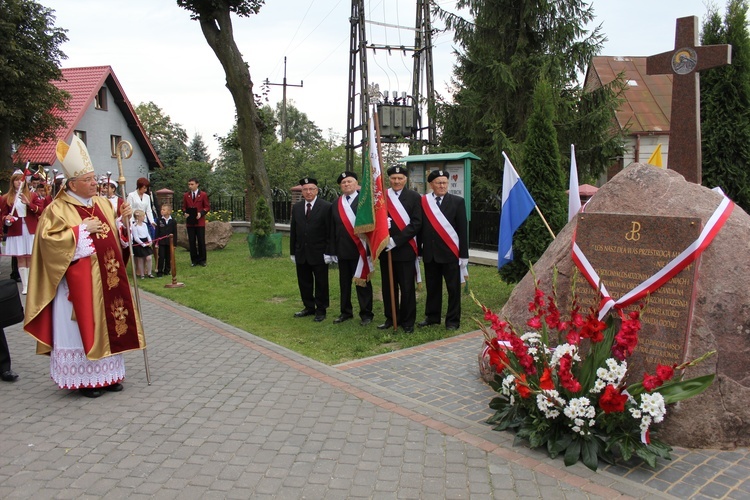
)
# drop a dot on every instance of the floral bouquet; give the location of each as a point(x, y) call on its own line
point(563, 385)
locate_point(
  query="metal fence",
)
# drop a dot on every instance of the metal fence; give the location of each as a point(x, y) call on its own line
point(235, 205)
point(483, 229)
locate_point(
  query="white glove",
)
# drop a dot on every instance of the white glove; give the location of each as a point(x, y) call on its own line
point(327, 259)
point(462, 263)
point(391, 244)
point(294, 259)
point(334, 259)
point(389, 222)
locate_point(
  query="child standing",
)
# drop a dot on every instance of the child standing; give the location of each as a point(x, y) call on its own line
point(142, 250)
point(165, 226)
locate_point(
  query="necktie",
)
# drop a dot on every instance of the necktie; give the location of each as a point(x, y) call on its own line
point(193, 195)
point(348, 197)
point(437, 200)
point(307, 212)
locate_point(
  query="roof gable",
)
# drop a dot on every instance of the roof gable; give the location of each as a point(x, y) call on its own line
point(648, 98)
point(83, 85)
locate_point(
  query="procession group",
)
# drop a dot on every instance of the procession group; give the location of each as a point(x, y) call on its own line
point(430, 228)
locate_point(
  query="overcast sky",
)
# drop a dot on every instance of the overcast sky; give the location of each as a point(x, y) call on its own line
point(160, 55)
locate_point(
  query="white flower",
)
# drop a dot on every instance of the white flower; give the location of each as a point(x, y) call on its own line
point(599, 386)
point(561, 351)
point(531, 338)
point(507, 384)
point(653, 404)
point(601, 372)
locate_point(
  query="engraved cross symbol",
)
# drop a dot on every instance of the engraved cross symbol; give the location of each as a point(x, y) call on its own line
point(684, 63)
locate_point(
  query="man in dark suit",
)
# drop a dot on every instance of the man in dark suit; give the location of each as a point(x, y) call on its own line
point(405, 221)
point(195, 206)
point(351, 252)
point(445, 250)
point(310, 240)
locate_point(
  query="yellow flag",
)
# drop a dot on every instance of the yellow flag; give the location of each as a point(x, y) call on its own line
point(655, 158)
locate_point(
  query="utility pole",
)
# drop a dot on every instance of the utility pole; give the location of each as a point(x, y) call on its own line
point(284, 85)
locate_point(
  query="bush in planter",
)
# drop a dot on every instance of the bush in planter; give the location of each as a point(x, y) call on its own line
point(263, 240)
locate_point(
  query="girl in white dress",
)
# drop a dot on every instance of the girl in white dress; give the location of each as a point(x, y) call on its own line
point(20, 210)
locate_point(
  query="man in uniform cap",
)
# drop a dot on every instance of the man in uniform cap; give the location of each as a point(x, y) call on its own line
point(310, 241)
point(80, 307)
point(351, 252)
point(445, 250)
point(405, 221)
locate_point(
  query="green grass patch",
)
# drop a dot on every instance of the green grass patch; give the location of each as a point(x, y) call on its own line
point(261, 296)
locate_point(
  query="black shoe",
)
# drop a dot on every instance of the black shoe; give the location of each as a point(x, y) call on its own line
point(427, 322)
point(203, 264)
point(342, 318)
point(192, 265)
point(90, 392)
point(385, 326)
point(9, 376)
point(408, 329)
point(451, 327)
point(17, 279)
point(159, 275)
point(319, 318)
point(116, 387)
point(365, 321)
point(303, 313)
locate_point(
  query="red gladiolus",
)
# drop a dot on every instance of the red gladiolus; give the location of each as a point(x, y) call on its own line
point(545, 381)
point(612, 400)
point(498, 359)
point(651, 382)
point(664, 372)
point(535, 323)
point(567, 380)
point(592, 328)
point(522, 388)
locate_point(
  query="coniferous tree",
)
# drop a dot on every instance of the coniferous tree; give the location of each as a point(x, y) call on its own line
point(543, 176)
point(725, 106)
point(197, 150)
point(501, 54)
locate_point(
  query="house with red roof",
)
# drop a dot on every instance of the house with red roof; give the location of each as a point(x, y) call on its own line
point(101, 115)
point(645, 114)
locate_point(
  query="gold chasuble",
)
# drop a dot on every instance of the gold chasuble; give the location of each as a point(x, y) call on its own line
point(99, 290)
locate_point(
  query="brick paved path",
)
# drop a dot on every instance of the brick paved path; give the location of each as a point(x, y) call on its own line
point(229, 415)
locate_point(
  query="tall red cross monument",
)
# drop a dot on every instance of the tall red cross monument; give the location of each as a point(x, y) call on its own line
point(684, 63)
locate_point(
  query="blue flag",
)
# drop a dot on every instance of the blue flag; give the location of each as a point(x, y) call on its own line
point(516, 207)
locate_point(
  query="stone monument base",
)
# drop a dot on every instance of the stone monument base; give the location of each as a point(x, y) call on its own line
point(720, 417)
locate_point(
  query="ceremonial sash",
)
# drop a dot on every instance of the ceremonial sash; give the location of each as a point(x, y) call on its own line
point(362, 273)
point(442, 227)
point(400, 216)
point(689, 255)
point(118, 304)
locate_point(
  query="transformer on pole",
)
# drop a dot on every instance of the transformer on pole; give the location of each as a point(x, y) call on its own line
point(404, 118)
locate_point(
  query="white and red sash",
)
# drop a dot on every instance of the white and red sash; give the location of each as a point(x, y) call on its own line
point(689, 255)
point(401, 218)
point(362, 273)
point(440, 223)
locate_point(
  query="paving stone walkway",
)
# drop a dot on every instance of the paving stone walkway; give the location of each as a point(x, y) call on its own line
point(229, 415)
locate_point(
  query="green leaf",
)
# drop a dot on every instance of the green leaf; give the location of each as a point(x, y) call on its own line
point(677, 391)
point(647, 455)
point(589, 453)
point(573, 452)
point(556, 446)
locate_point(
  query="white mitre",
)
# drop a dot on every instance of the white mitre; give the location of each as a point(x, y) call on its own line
point(75, 158)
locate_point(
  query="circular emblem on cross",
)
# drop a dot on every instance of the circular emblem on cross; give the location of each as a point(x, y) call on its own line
point(684, 61)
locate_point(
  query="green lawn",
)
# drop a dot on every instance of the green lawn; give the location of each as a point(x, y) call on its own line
point(261, 296)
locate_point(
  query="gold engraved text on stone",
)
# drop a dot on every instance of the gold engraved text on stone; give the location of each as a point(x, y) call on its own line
point(634, 233)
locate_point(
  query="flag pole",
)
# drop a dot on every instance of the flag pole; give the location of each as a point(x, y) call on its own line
point(394, 313)
point(126, 146)
point(544, 220)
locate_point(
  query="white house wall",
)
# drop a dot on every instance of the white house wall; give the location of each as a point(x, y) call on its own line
point(99, 125)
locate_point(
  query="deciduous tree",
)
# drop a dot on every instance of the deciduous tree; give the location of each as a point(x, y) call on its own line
point(215, 21)
point(30, 58)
